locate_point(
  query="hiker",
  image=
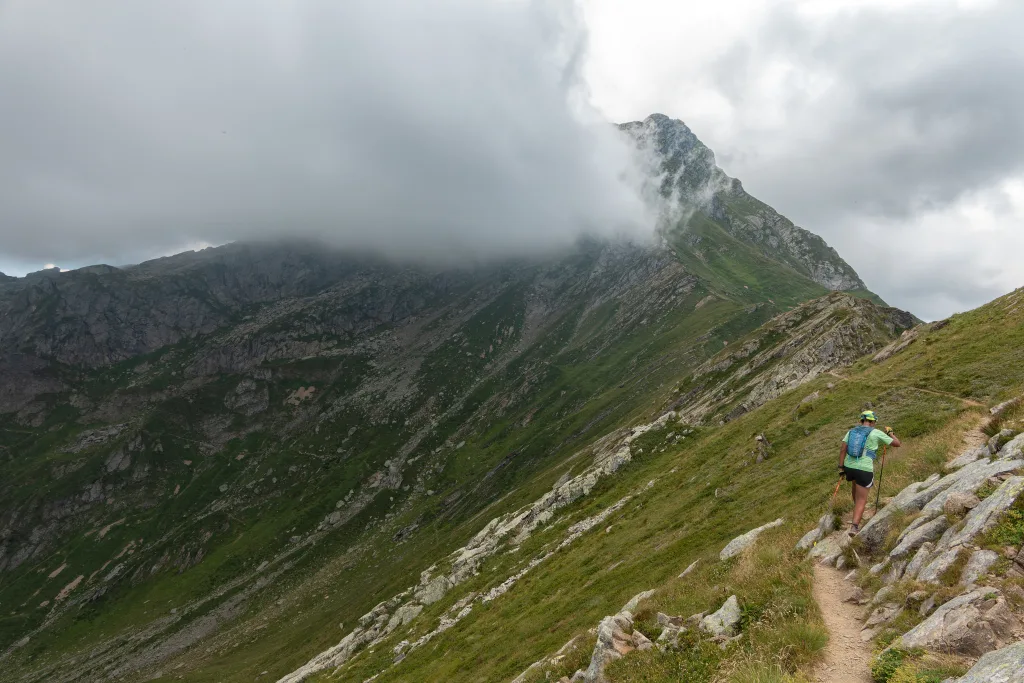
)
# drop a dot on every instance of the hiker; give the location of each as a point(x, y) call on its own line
point(857, 460)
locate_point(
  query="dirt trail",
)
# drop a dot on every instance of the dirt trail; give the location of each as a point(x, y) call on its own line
point(847, 657)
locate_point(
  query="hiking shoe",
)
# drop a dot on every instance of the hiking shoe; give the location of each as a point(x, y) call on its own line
point(854, 529)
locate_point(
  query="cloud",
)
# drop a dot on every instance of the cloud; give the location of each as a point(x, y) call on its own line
point(432, 129)
point(876, 124)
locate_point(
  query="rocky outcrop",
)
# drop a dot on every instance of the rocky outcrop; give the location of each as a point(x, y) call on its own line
point(1005, 665)
point(741, 543)
point(970, 624)
point(614, 639)
point(817, 337)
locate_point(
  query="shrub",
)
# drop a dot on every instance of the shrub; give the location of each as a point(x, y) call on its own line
point(886, 664)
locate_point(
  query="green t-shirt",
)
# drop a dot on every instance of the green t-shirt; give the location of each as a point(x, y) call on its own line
point(866, 463)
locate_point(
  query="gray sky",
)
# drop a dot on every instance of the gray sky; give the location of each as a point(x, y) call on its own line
point(892, 128)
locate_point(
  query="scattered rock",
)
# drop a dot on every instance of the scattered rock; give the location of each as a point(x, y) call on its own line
point(970, 624)
point(830, 549)
point(693, 565)
point(741, 543)
point(883, 615)
point(826, 525)
point(725, 621)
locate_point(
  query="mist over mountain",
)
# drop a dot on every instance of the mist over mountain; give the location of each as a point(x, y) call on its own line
point(457, 129)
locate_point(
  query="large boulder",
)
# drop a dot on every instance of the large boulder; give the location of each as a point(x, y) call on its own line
point(999, 666)
point(635, 601)
point(724, 622)
point(741, 543)
point(970, 624)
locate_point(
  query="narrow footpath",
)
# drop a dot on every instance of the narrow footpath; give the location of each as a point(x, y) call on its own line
point(847, 657)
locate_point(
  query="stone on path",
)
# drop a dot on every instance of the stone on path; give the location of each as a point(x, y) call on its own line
point(826, 525)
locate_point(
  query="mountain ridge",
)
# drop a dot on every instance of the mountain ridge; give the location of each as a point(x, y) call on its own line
point(198, 442)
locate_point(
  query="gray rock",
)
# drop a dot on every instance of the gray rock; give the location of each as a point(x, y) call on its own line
point(434, 590)
point(725, 621)
point(999, 666)
point(920, 558)
point(895, 572)
point(828, 550)
point(999, 440)
point(929, 531)
point(970, 624)
point(635, 601)
point(959, 504)
point(883, 615)
point(912, 498)
point(1013, 449)
point(937, 565)
point(693, 565)
point(978, 565)
point(614, 639)
point(826, 525)
point(927, 606)
point(967, 457)
point(741, 543)
point(968, 480)
point(985, 516)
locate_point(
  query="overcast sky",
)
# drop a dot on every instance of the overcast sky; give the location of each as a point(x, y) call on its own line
point(891, 128)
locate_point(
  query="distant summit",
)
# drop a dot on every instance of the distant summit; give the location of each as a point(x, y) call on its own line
point(691, 178)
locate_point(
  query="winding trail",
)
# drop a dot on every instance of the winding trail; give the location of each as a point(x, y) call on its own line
point(847, 657)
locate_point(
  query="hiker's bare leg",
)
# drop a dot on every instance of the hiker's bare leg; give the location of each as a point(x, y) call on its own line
point(860, 499)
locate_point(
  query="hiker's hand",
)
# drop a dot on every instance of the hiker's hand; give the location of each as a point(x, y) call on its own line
point(842, 470)
point(888, 430)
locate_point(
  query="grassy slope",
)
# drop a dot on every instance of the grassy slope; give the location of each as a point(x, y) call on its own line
point(978, 356)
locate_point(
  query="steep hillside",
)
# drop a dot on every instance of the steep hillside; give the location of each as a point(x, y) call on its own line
point(219, 462)
point(655, 528)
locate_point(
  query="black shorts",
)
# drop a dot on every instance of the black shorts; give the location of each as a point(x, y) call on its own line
point(860, 477)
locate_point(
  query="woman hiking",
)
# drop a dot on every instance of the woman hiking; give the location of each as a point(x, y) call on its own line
point(857, 460)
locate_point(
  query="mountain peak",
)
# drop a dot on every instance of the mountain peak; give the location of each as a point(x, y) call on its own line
point(691, 177)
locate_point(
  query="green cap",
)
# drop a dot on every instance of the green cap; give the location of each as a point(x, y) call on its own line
point(868, 415)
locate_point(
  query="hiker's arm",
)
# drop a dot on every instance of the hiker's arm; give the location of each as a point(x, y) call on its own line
point(842, 455)
point(895, 442)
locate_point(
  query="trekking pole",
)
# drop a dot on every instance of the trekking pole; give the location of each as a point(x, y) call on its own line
point(834, 492)
point(878, 493)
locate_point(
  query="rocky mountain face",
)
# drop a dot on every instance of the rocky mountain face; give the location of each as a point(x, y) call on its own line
point(816, 338)
point(193, 442)
point(690, 176)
